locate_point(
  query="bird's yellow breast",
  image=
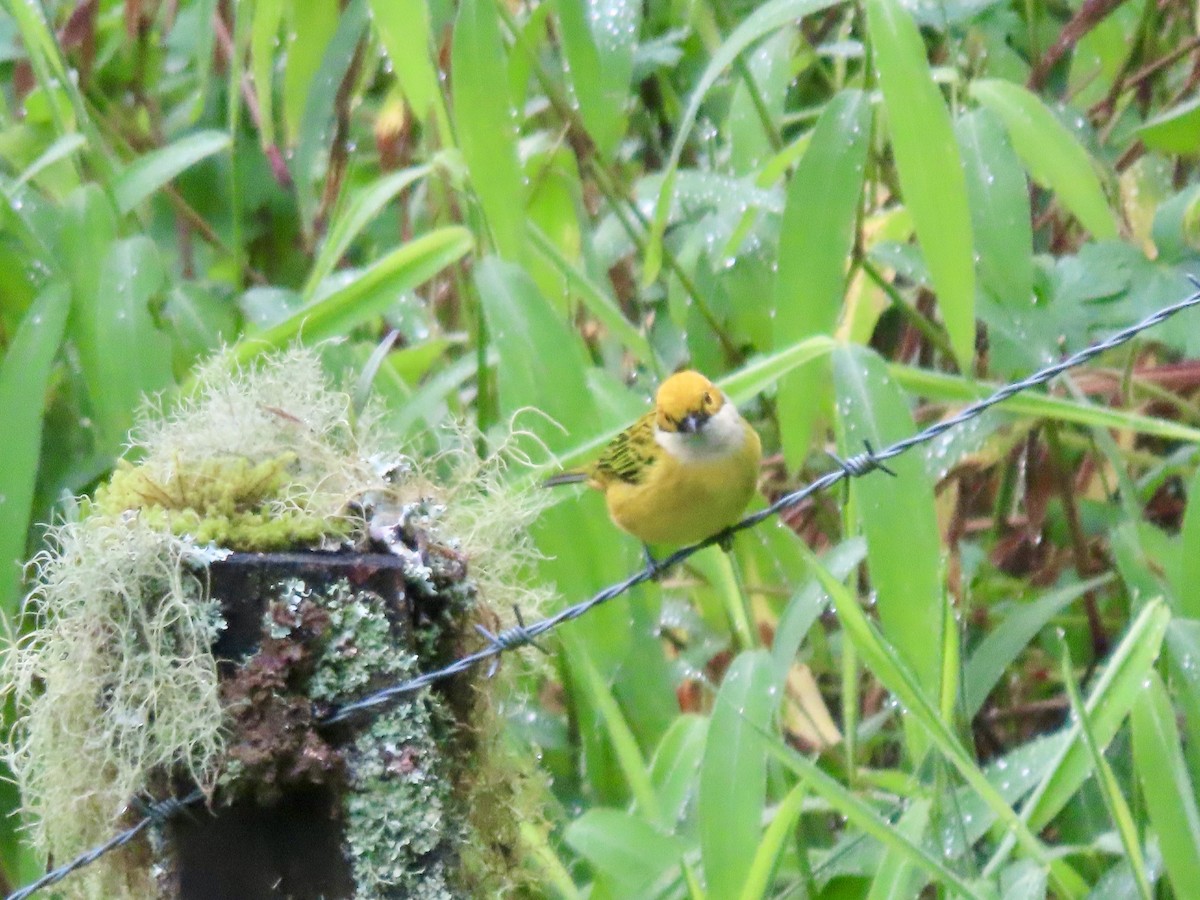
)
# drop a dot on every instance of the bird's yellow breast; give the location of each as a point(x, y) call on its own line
point(683, 501)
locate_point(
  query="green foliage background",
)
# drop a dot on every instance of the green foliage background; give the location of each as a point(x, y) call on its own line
point(852, 215)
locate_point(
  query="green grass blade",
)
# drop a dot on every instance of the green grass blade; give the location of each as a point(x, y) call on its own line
point(375, 288)
point(886, 664)
point(1183, 645)
point(62, 148)
point(151, 171)
point(118, 318)
point(813, 256)
point(1000, 214)
point(733, 775)
point(1050, 152)
point(310, 27)
point(520, 318)
point(484, 120)
point(1169, 791)
point(264, 32)
point(766, 18)
point(598, 39)
point(862, 816)
point(404, 28)
point(365, 205)
point(766, 858)
point(320, 102)
point(617, 731)
point(675, 765)
point(897, 514)
point(1114, 800)
point(24, 377)
point(940, 386)
point(761, 372)
point(996, 652)
point(807, 604)
point(929, 167)
point(626, 849)
point(900, 876)
point(597, 301)
point(1188, 589)
point(1110, 701)
point(1175, 130)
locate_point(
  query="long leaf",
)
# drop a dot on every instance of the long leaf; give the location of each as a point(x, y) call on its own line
point(484, 121)
point(1188, 588)
point(1169, 791)
point(814, 254)
point(598, 302)
point(624, 848)
point(519, 319)
point(894, 673)
point(153, 170)
point(24, 376)
point(404, 27)
point(1000, 213)
point(264, 32)
point(316, 129)
point(860, 814)
point(617, 730)
point(1052, 155)
point(941, 386)
point(734, 772)
point(358, 213)
point(897, 515)
point(1110, 790)
point(766, 858)
point(1112, 698)
point(367, 295)
point(929, 167)
point(899, 875)
point(599, 37)
point(997, 651)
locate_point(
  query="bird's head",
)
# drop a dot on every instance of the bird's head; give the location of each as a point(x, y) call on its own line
point(685, 402)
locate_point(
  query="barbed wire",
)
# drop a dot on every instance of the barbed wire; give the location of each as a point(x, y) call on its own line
point(158, 812)
point(521, 635)
point(855, 466)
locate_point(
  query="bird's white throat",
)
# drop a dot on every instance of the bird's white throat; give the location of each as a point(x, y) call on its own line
point(722, 435)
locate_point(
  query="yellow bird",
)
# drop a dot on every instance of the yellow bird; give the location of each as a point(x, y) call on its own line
point(683, 471)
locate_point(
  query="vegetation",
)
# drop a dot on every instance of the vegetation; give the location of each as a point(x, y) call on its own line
point(965, 680)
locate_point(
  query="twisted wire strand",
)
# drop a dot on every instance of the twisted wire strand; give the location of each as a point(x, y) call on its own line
point(520, 635)
point(156, 813)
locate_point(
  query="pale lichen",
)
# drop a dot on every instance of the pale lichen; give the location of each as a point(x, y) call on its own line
point(117, 683)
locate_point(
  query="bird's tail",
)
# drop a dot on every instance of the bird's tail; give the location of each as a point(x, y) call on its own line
point(571, 476)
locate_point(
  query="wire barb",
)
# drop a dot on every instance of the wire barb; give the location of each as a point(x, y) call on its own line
point(509, 639)
point(159, 812)
point(521, 634)
point(861, 463)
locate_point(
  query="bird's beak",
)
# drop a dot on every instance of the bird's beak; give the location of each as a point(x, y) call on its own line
point(692, 422)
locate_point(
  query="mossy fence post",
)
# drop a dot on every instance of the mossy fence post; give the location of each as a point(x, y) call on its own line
point(263, 558)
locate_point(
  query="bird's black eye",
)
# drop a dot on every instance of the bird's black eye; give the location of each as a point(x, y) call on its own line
point(708, 399)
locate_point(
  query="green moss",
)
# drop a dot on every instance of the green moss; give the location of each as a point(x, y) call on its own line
point(227, 501)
